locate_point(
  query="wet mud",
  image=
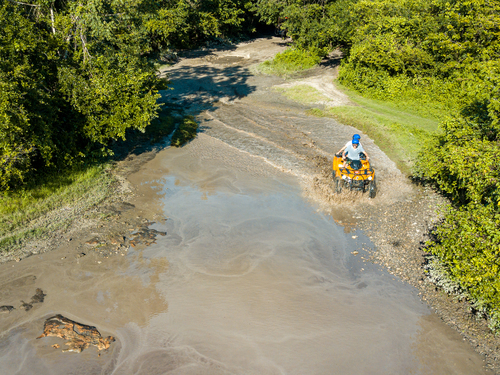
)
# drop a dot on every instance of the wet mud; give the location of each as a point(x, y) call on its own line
point(232, 255)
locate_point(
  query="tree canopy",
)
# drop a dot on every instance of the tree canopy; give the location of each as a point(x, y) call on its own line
point(75, 75)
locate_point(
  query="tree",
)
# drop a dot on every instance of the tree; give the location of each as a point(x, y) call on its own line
point(74, 75)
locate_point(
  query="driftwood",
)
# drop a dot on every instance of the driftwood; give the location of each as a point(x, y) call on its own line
point(79, 336)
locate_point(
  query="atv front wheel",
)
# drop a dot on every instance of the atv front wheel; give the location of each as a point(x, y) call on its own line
point(337, 183)
point(372, 189)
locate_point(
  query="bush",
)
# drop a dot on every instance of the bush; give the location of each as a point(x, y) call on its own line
point(463, 162)
point(291, 61)
point(468, 245)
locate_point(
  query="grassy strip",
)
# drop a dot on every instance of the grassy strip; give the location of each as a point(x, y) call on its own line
point(399, 132)
point(289, 62)
point(302, 93)
point(33, 212)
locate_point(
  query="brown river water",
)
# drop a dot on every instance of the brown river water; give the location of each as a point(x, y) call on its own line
point(250, 279)
point(253, 276)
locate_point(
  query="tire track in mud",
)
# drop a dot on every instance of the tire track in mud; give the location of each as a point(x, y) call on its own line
point(298, 144)
point(279, 143)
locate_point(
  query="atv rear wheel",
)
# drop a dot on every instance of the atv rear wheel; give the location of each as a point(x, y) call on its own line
point(372, 189)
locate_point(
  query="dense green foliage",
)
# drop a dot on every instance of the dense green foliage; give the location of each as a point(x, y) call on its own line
point(468, 245)
point(72, 79)
point(185, 24)
point(76, 75)
point(464, 162)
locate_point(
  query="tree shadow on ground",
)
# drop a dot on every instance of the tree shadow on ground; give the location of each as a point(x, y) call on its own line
point(199, 88)
point(332, 60)
point(193, 90)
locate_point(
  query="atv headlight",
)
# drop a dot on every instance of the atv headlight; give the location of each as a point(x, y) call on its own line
point(370, 177)
point(344, 177)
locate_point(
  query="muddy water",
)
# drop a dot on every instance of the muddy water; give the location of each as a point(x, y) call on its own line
point(250, 279)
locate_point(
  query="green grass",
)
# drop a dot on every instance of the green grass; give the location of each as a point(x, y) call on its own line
point(289, 62)
point(32, 212)
point(302, 93)
point(399, 131)
point(54, 201)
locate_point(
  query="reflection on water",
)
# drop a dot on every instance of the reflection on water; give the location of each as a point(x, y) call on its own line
point(256, 281)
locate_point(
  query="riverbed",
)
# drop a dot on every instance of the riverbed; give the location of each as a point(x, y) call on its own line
point(250, 278)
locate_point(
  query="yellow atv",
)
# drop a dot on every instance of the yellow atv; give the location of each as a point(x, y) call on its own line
point(354, 175)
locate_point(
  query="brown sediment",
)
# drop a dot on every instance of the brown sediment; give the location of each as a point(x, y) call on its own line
point(79, 336)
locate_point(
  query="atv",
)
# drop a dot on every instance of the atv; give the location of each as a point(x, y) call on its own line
point(354, 175)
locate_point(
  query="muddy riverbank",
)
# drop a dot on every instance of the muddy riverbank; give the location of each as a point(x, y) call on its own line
point(259, 261)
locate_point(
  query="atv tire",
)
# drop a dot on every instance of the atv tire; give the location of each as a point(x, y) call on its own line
point(372, 189)
point(337, 183)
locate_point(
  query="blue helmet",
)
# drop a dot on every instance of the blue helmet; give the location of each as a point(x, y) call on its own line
point(355, 141)
point(356, 136)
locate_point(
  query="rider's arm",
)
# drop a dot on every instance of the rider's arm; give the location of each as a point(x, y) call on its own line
point(367, 157)
point(344, 155)
point(341, 150)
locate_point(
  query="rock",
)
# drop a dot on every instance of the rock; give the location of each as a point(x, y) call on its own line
point(26, 306)
point(116, 240)
point(6, 309)
point(37, 298)
point(79, 336)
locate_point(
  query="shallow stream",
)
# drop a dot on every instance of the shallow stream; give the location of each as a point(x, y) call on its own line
point(250, 279)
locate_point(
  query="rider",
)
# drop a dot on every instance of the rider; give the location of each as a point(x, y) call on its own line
point(353, 150)
point(355, 136)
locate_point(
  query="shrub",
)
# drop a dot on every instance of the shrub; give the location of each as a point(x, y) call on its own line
point(291, 61)
point(468, 245)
